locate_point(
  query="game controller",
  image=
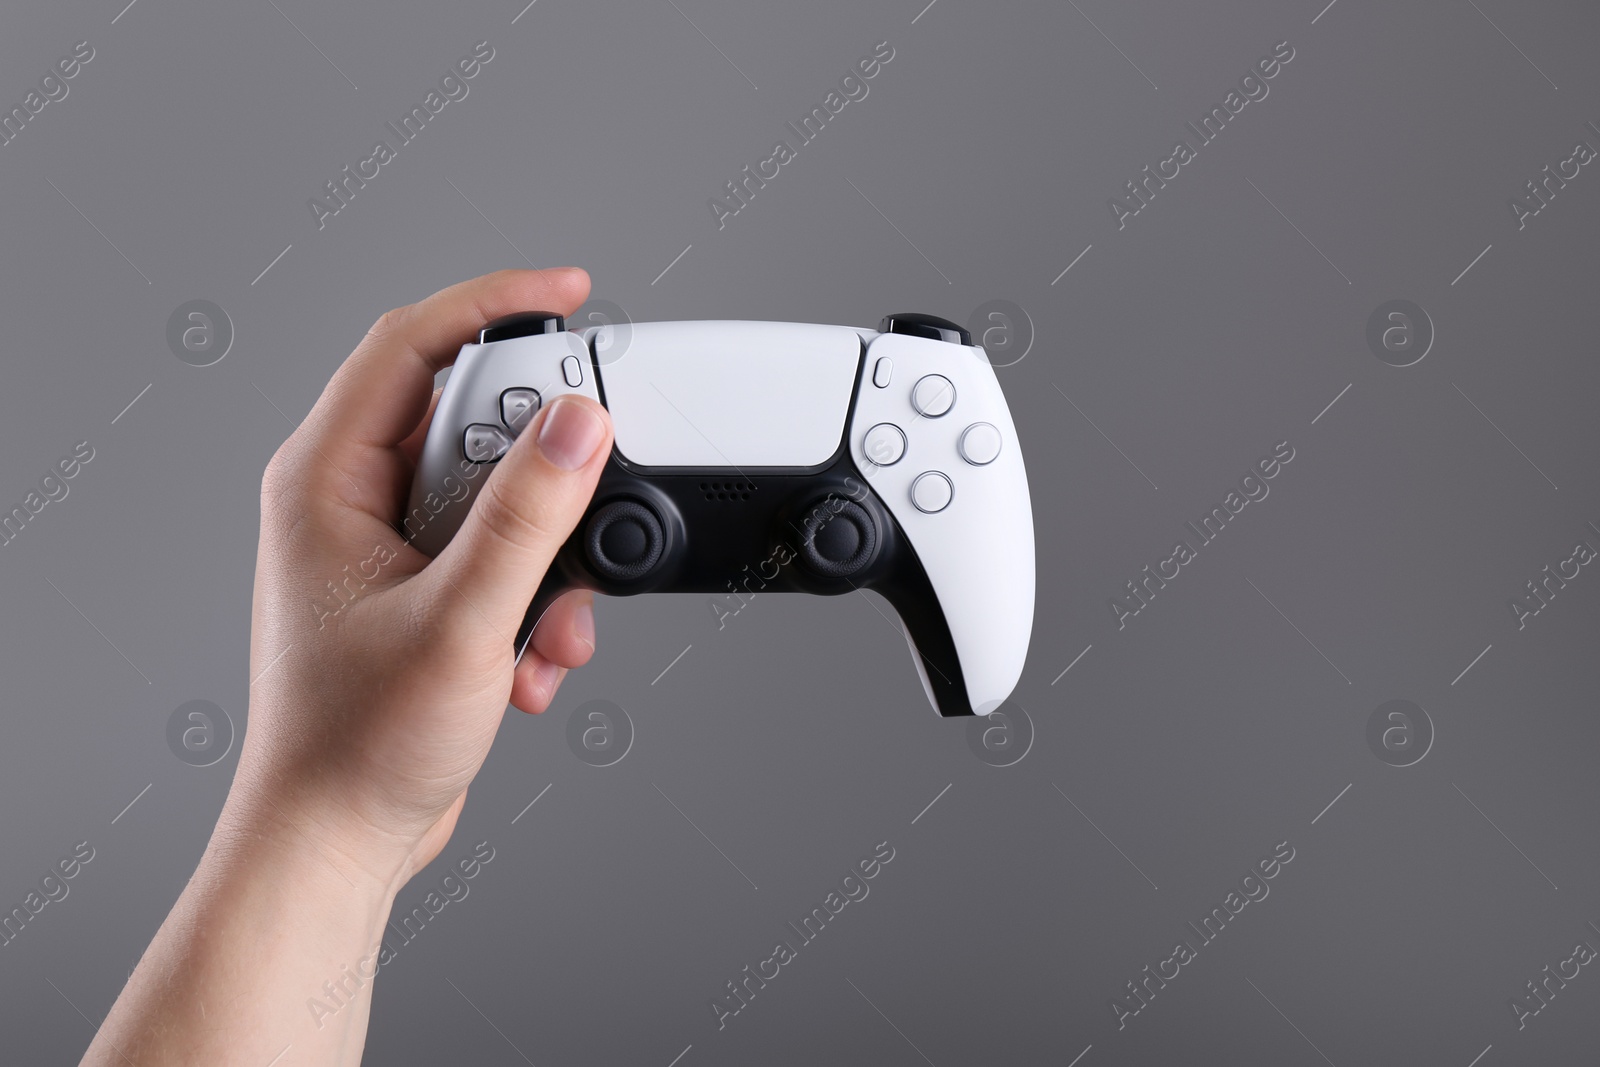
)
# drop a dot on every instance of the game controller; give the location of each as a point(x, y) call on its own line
point(770, 456)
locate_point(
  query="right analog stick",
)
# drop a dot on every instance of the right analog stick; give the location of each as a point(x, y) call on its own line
point(837, 544)
point(624, 540)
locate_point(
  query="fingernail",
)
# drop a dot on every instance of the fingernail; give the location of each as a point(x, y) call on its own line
point(583, 624)
point(570, 434)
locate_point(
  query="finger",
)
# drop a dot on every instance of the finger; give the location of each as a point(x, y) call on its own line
point(379, 394)
point(565, 635)
point(526, 510)
point(534, 683)
point(396, 476)
point(411, 447)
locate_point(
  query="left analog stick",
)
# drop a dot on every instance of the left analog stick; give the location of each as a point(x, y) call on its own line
point(624, 540)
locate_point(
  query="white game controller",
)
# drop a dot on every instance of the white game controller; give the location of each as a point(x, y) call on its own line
point(818, 459)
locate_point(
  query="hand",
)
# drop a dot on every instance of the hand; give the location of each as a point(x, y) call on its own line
point(370, 711)
point(376, 698)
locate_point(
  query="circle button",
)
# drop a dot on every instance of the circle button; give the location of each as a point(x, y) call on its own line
point(884, 444)
point(980, 444)
point(932, 492)
point(933, 395)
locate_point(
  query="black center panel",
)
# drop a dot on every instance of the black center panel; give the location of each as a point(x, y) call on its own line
point(730, 527)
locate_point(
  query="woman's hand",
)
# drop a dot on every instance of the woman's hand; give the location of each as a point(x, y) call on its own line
point(376, 699)
point(379, 680)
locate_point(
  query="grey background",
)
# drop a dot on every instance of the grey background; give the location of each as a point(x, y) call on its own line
point(796, 738)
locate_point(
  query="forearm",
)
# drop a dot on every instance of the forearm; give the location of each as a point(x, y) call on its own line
point(271, 947)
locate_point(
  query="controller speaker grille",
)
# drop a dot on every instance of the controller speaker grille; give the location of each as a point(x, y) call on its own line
point(727, 490)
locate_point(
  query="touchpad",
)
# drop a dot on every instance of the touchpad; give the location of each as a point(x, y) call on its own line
point(731, 394)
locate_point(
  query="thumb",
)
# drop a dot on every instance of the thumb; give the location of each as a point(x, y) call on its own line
point(526, 510)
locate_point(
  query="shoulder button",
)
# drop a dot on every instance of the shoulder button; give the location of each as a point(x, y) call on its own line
point(915, 324)
point(521, 324)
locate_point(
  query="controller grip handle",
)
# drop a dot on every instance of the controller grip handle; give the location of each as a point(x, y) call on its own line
point(933, 647)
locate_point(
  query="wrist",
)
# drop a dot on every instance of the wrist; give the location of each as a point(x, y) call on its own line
point(311, 844)
point(273, 923)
